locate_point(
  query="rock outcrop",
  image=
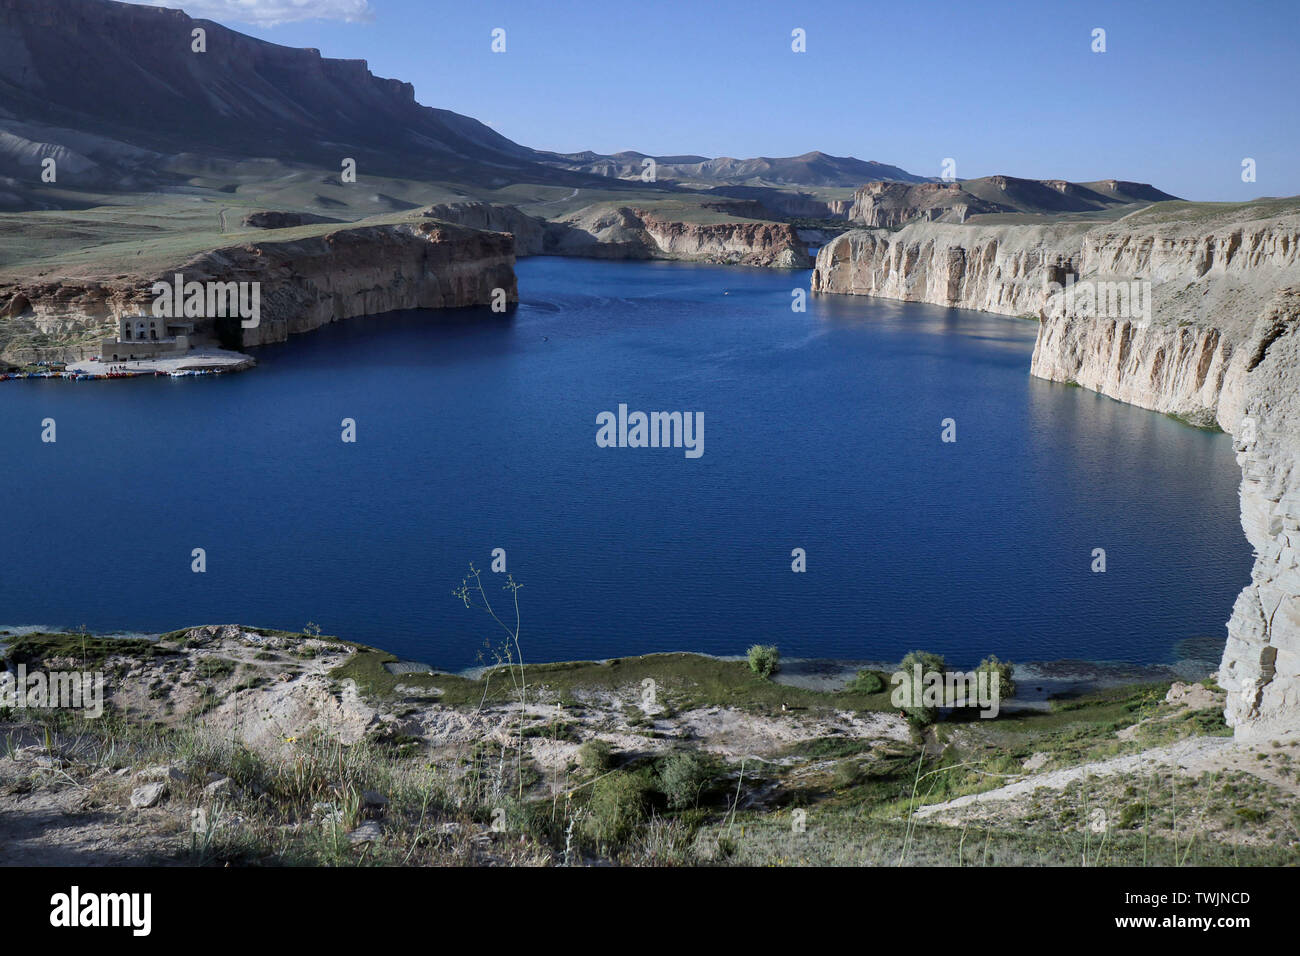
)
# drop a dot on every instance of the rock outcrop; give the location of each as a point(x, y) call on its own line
point(365, 271)
point(305, 283)
point(529, 231)
point(890, 205)
point(276, 219)
point(623, 232)
point(993, 269)
point(1216, 341)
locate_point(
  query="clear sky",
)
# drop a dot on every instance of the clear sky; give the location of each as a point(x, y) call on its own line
point(1182, 94)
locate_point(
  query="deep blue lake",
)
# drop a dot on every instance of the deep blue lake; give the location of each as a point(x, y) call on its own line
point(477, 431)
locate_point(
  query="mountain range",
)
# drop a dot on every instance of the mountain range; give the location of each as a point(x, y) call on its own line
point(116, 95)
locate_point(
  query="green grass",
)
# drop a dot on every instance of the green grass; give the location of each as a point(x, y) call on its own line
point(685, 680)
point(1203, 213)
point(84, 649)
point(847, 838)
point(366, 667)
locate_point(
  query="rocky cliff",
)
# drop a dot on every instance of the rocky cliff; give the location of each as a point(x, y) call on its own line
point(1261, 663)
point(604, 231)
point(888, 205)
point(994, 269)
point(305, 283)
point(1216, 340)
point(774, 244)
point(529, 231)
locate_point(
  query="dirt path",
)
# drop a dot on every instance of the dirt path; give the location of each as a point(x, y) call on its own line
point(1190, 758)
point(49, 817)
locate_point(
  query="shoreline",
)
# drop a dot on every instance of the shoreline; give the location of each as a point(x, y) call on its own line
point(199, 361)
point(1038, 682)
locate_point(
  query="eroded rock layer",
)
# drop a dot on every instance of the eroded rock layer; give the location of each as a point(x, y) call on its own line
point(604, 231)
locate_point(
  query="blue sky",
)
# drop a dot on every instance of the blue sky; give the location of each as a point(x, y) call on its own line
point(1183, 93)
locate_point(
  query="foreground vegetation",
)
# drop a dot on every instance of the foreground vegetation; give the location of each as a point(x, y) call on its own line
point(721, 767)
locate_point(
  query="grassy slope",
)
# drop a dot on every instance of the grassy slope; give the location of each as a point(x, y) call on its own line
point(107, 234)
point(687, 680)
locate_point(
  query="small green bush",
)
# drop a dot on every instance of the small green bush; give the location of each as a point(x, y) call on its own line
point(1130, 815)
point(595, 756)
point(846, 774)
point(1006, 672)
point(618, 806)
point(867, 682)
point(918, 712)
point(764, 659)
point(684, 776)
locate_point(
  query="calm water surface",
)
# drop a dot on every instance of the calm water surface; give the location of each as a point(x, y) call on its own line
point(477, 431)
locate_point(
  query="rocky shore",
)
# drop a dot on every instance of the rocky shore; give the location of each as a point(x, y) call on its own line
point(1219, 345)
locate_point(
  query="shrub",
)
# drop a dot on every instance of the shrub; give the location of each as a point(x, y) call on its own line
point(846, 774)
point(684, 776)
point(595, 755)
point(764, 659)
point(914, 707)
point(1006, 672)
point(867, 682)
point(1131, 814)
point(617, 807)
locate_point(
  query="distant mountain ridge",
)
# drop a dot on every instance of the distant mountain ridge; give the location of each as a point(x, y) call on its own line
point(110, 90)
point(811, 169)
point(110, 86)
point(891, 204)
point(115, 94)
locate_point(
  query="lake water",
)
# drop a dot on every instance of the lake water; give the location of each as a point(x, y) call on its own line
point(477, 431)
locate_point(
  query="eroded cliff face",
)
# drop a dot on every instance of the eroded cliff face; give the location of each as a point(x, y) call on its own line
point(624, 232)
point(1191, 355)
point(1217, 341)
point(1180, 371)
point(887, 204)
point(742, 243)
point(529, 231)
point(365, 271)
point(1261, 662)
point(305, 284)
point(995, 269)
